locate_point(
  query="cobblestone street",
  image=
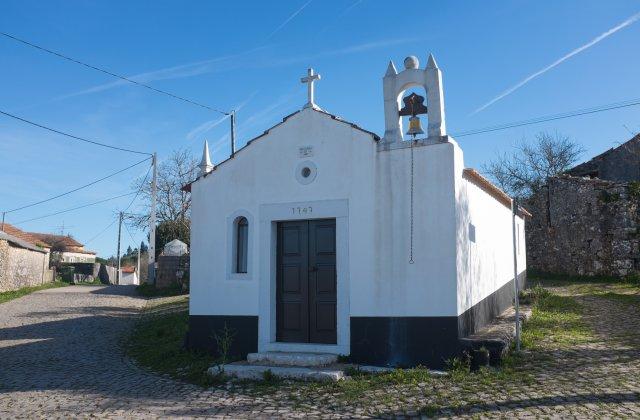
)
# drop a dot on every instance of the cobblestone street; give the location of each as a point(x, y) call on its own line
point(60, 357)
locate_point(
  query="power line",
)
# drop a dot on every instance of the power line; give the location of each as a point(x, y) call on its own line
point(73, 60)
point(77, 189)
point(71, 135)
point(127, 208)
point(538, 120)
point(139, 189)
point(102, 231)
point(74, 208)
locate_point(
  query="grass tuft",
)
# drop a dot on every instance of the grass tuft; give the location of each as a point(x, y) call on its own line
point(14, 294)
point(157, 343)
point(150, 290)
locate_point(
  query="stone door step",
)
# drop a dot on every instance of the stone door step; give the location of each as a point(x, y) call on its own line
point(281, 358)
point(257, 372)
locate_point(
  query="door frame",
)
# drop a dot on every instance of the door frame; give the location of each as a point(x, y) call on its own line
point(270, 215)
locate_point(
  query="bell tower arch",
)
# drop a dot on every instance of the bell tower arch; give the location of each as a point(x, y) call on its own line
point(394, 84)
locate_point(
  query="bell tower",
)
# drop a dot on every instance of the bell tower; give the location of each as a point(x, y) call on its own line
point(395, 84)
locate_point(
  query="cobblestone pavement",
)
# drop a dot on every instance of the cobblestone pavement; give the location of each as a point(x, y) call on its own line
point(60, 357)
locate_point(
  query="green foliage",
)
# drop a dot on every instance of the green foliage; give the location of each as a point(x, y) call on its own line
point(269, 378)
point(66, 272)
point(459, 367)
point(533, 294)
point(430, 410)
point(632, 279)
point(558, 320)
point(344, 358)
point(634, 189)
point(552, 279)
point(150, 290)
point(14, 294)
point(607, 197)
point(224, 340)
point(157, 343)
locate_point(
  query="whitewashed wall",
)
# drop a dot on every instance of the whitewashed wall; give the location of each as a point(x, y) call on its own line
point(264, 173)
point(368, 191)
point(484, 266)
point(427, 287)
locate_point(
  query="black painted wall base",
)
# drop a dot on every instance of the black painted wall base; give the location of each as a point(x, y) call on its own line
point(427, 341)
point(404, 341)
point(378, 341)
point(488, 308)
point(203, 329)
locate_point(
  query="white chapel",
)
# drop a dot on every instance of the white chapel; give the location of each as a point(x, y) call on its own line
point(320, 236)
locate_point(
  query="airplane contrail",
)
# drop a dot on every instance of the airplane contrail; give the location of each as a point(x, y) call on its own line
point(559, 61)
point(283, 24)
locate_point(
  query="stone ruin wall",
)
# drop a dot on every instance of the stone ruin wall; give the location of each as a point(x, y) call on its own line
point(585, 226)
point(21, 267)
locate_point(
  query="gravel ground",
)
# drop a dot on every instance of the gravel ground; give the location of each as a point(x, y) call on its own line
point(60, 357)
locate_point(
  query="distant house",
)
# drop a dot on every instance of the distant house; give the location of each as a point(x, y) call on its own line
point(65, 249)
point(24, 260)
point(128, 275)
point(619, 164)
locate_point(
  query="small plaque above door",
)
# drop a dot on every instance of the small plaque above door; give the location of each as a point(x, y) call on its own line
point(305, 151)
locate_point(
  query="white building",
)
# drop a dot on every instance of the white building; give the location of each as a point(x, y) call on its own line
point(320, 236)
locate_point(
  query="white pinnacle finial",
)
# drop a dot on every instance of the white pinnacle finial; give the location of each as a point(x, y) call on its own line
point(309, 80)
point(391, 69)
point(431, 62)
point(205, 164)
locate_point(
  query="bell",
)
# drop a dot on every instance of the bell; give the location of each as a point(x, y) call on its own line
point(415, 127)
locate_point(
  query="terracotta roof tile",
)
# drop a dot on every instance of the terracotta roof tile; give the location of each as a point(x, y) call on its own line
point(56, 239)
point(487, 186)
point(26, 236)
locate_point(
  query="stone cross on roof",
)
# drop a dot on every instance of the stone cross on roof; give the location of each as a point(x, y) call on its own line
point(309, 80)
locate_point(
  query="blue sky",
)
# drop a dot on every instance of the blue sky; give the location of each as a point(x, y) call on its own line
point(252, 55)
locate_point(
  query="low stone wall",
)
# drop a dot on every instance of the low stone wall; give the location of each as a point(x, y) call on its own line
point(584, 226)
point(20, 267)
point(168, 266)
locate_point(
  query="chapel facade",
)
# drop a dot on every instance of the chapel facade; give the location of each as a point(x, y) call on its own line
point(319, 236)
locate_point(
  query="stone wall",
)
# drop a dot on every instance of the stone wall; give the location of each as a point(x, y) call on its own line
point(584, 227)
point(20, 267)
point(168, 266)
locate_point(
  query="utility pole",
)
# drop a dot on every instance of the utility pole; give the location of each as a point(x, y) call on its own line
point(138, 266)
point(233, 132)
point(3, 214)
point(152, 224)
point(119, 232)
point(516, 286)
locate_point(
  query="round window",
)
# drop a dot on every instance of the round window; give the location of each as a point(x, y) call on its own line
point(306, 172)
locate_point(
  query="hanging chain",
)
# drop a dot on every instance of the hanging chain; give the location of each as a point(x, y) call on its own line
point(411, 209)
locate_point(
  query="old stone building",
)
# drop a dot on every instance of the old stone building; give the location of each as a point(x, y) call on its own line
point(621, 164)
point(586, 221)
point(23, 261)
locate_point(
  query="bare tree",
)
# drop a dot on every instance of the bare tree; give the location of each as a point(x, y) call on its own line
point(173, 204)
point(522, 172)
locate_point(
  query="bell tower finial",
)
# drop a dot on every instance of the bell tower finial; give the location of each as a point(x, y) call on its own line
point(205, 164)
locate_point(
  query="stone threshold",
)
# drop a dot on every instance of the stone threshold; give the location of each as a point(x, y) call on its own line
point(498, 335)
point(319, 367)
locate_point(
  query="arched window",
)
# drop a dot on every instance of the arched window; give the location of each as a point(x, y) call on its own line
point(242, 244)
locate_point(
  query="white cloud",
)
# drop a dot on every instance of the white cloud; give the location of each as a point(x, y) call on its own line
point(559, 61)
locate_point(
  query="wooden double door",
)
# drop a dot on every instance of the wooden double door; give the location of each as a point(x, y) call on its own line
point(306, 282)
